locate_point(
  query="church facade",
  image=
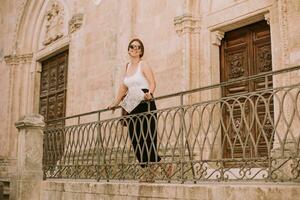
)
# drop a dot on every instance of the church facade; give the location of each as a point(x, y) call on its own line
point(60, 58)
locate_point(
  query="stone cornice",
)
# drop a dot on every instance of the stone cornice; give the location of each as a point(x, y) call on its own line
point(76, 22)
point(18, 59)
point(53, 48)
point(33, 120)
point(187, 23)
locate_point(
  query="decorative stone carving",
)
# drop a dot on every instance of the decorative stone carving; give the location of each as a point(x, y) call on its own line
point(7, 166)
point(4, 164)
point(267, 18)
point(217, 37)
point(264, 59)
point(55, 23)
point(18, 59)
point(235, 62)
point(187, 23)
point(76, 22)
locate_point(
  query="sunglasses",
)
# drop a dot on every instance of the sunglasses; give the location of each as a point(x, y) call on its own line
point(138, 47)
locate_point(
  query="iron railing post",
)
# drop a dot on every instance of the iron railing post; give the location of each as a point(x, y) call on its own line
point(269, 154)
point(266, 82)
point(182, 139)
point(98, 146)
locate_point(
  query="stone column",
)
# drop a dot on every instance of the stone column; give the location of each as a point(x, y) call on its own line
point(30, 154)
point(18, 86)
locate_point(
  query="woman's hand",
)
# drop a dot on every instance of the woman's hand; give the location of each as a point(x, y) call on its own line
point(112, 106)
point(148, 96)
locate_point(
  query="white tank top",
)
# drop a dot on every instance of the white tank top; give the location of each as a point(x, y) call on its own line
point(136, 80)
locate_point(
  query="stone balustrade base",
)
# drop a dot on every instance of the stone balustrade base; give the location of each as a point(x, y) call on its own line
point(70, 189)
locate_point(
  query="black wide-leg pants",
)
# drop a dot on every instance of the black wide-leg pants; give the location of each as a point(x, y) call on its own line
point(142, 130)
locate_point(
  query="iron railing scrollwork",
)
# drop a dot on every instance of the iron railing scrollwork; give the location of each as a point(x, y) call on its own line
point(196, 141)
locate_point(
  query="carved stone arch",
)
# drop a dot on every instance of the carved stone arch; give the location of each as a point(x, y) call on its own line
point(27, 39)
point(21, 7)
point(30, 21)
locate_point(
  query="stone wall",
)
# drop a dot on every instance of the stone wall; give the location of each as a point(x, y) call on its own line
point(69, 190)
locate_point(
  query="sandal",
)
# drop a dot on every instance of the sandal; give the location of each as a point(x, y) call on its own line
point(167, 169)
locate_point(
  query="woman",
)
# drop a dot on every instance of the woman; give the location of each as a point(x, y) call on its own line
point(142, 128)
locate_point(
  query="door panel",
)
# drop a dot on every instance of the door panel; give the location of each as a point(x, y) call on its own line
point(245, 52)
point(54, 87)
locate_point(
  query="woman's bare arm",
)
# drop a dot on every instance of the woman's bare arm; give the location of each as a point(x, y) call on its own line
point(121, 93)
point(150, 78)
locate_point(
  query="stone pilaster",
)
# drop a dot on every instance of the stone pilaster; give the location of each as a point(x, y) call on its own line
point(30, 154)
point(216, 39)
point(187, 26)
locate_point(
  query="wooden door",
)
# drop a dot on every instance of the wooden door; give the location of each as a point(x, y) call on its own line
point(244, 52)
point(54, 87)
point(53, 106)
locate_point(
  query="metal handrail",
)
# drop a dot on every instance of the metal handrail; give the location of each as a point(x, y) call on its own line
point(234, 81)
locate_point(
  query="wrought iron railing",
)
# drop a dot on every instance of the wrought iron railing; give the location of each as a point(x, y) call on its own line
point(199, 136)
